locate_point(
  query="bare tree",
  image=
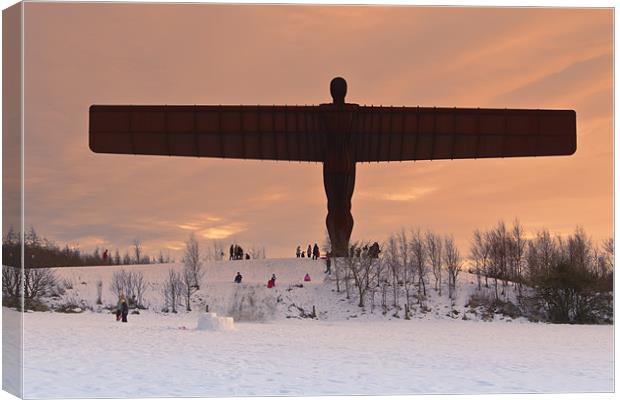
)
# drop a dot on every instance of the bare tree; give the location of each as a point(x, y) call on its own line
point(608, 248)
point(453, 264)
point(360, 269)
point(480, 255)
point(38, 282)
point(418, 253)
point(516, 254)
point(138, 286)
point(126, 258)
point(192, 262)
point(189, 288)
point(172, 290)
point(498, 241)
point(541, 254)
point(391, 259)
point(118, 285)
point(137, 250)
point(11, 281)
point(405, 260)
point(434, 249)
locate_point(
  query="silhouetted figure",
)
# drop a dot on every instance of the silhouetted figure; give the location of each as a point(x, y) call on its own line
point(338, 134)
point(298, 252)
point(232, 251)
point(247, 256)
point(328, 264)
point(238, 277)
point(374, 250)
point(309, 251)
point(105, 256)
point(315, 252)
point(237, 252)
point(303, 254)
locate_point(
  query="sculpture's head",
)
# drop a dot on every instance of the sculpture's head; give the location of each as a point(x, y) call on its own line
point(338, 90)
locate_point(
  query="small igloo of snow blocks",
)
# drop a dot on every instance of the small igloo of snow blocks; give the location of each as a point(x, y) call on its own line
point(211, 322)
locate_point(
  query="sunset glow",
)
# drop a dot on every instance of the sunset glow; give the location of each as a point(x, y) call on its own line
point(79, 54)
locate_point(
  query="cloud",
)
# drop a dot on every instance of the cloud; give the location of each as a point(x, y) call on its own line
point(408, 195)
point(390, 55)
point(223, 231)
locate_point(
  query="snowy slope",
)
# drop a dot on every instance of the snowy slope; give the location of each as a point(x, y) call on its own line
point(346, 350)
point(218, 289)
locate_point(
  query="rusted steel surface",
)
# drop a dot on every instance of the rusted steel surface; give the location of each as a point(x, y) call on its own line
point(377, 133)
point(244, 132)
point(453, 133)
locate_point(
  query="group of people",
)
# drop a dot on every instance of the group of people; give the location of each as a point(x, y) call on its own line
point(236, 253)
point(271, 283)
point(311, 252)
point(366, 251)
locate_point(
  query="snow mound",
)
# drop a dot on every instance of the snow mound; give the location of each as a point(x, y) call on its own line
point(211, 322)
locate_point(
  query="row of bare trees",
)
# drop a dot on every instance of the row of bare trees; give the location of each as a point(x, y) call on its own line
point(568, 279)
point(557, 278)
point(40, 252)
point(403, 270)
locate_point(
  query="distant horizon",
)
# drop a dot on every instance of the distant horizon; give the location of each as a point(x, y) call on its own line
point(207, 244)
point(79, 54)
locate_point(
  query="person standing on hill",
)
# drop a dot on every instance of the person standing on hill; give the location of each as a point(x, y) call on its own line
point(124, 309)
point(119, 306)
point(315, 252)
point(232, 251)
point(298, 252)
point(309, 252)
point(328, 264)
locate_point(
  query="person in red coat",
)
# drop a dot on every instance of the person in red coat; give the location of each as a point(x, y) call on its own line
point(272, 282)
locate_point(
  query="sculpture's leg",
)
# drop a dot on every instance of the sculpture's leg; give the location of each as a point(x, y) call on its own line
point(339, 181)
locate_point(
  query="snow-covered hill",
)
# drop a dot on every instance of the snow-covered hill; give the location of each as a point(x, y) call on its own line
point(346, 350)
point(291, 294)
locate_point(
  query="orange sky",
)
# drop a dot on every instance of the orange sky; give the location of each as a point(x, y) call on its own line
point(82, 54)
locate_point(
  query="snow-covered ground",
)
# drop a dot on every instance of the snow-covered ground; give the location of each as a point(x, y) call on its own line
point(345, 351)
